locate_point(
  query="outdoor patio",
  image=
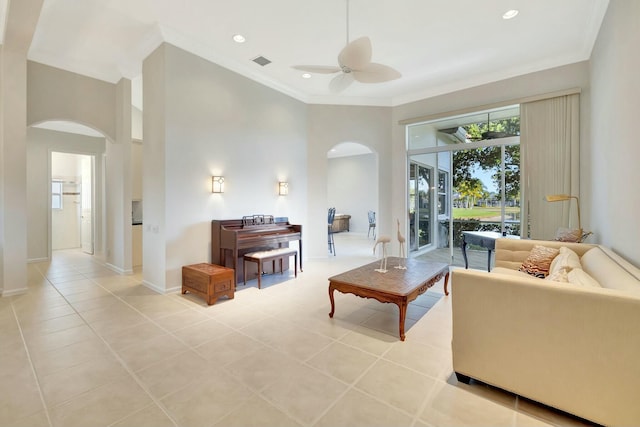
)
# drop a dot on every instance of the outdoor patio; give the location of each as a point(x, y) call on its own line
point(356, 244)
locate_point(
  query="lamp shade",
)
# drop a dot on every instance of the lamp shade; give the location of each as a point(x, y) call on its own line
point(565, 197)
point(557, 197)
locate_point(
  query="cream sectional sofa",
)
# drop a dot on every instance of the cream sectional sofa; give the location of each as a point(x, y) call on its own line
point(569, 346)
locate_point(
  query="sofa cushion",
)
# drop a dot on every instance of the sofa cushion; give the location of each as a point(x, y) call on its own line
point(539, 261)
point(560, 275)
point(579, 277)
point(610, 270)
point(566, 260)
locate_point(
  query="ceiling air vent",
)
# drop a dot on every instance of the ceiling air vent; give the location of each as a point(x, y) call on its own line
point(261, 60)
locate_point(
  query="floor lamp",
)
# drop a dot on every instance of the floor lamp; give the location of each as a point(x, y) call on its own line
point(564, 198)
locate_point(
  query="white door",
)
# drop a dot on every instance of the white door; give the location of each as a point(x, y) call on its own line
point(86, 210)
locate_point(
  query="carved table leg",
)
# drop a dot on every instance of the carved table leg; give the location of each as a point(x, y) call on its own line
point(333, 306)
point(446, 282)
point(403, 314)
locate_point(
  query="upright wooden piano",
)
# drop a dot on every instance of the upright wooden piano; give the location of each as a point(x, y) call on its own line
point(232, 238)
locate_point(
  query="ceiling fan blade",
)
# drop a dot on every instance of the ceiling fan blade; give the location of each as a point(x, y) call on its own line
point(320, 69)
point(356, 55)
point(340, 82)
point(376, 73)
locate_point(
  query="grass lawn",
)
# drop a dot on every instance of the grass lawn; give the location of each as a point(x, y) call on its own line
point(481, 212)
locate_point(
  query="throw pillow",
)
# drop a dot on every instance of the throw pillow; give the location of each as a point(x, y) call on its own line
point(539, 261)
point(561, 275)
point(578, 276)
point(566, 260)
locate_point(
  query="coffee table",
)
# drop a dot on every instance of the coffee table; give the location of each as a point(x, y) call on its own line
point(396, 285)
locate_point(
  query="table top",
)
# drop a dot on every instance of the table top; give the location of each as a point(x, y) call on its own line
point(207, 268)
point(490, 234)
point(485, 239)
point(395, 281)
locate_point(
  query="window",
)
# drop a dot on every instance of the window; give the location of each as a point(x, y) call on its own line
point(443, 204)
point(475, 162)
point(56, 195)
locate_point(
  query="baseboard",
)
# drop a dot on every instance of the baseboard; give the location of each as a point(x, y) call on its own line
point(159, 290)
point(34, 260)
point(152, 287)
point(174, 290)
point(13, 292)
point(118, 269)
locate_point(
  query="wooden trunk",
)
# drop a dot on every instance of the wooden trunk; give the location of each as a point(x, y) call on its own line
point(209, 281)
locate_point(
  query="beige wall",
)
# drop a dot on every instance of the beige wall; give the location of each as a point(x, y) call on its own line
point(201, 120)
point(349, 176)
point(21, 20)
point(615, 149)
point(330, 125)
point(154, 259)
point(56, 94)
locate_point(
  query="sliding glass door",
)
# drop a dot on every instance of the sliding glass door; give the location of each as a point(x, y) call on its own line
point(420, 205)
point(464, 174)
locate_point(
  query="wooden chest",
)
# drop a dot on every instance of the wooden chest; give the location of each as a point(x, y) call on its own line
point(210, 281)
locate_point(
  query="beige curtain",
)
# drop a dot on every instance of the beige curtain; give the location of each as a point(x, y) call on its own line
point(550, 150)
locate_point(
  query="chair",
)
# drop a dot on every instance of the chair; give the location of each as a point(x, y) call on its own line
point(372, 224)
point(330, 241)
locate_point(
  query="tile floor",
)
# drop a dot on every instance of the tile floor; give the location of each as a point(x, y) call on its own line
point(88, 347)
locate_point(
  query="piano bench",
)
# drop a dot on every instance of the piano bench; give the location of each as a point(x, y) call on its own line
point(269, 255)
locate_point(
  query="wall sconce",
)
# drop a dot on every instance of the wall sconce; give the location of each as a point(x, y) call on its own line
point(283, 188)
point(217, 184)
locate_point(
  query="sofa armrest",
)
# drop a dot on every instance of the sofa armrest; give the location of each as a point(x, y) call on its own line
point(573, 348)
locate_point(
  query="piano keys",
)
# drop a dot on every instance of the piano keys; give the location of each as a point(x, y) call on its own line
point(232, 238)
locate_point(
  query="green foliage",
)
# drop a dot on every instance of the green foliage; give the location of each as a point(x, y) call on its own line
point(489, 158)
point(470, 190)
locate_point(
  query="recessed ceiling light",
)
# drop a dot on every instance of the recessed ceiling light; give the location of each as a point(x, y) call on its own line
point(239, 38)
point(510, 14)
point(306, 76)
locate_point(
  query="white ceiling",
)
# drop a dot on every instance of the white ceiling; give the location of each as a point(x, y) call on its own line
point(438, 45)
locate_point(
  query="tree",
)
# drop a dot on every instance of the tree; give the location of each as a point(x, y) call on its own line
point(489, 158)
point(470, 190)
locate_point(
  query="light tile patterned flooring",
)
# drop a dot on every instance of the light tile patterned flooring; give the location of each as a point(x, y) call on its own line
point(88, 347)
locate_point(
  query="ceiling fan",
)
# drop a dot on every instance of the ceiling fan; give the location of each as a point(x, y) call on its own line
point(354, 64)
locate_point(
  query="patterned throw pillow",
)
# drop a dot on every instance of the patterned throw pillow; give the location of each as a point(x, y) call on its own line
point(539, 261)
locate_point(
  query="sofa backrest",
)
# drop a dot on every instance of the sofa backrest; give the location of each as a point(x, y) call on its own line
point(610, 269)
point(510, 253)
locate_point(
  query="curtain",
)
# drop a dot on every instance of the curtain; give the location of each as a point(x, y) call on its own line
point(550, 150)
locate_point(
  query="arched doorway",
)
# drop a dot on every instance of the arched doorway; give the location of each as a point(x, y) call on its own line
point(352, 188)
point(65, 163)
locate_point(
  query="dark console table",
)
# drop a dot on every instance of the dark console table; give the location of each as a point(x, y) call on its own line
point(484, 239)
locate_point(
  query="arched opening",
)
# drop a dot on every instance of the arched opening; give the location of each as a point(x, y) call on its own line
point(65, 189)
point(352, 189)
